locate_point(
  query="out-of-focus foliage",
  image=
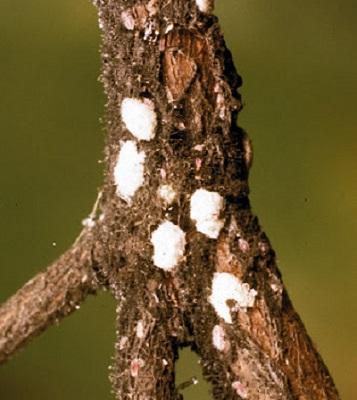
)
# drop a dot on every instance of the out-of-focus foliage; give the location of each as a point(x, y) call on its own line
point(299, 65)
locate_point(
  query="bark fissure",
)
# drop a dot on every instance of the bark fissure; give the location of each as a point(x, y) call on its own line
point(217, 287)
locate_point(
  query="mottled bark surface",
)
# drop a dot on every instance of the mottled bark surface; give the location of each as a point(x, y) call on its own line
point(174, 56)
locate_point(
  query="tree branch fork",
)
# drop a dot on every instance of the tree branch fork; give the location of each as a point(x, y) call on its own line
point(172, 235)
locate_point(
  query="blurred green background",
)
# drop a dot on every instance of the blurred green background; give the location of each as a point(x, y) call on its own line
point(299, 64)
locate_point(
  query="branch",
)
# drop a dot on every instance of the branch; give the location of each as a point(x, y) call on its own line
point(47, 298)
point(186, 259)
point(176, 242)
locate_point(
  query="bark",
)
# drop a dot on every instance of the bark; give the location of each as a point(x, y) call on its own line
point(47, 298)
point(173, 56)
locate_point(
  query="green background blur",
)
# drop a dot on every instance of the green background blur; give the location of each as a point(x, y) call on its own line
point(299, 64)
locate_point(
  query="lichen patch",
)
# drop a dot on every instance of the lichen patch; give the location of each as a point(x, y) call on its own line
point(139, 118)
point(169, 245)
point(129, 170)
point(205, 210)
point(227, 287)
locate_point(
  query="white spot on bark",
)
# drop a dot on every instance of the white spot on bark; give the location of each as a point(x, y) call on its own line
point(240, 389)
point(169, 245)
point(167, 194)
point(139, 118)
point(164, 362)
point(226, 286)
point(205, 209)
point(218, 338)
point(248, 151)
point(123, 342)
point(205, 6)
point(163, 173)
point(243, 245)
point(220, 101)
point(127, 19)
point(169, 28)
point(88, 222)
point(274, 287)
point(135, 366)
point(140, 329)
point(199, 147)
point(129, 170)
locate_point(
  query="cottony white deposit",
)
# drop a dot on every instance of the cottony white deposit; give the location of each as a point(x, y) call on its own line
point(169, 245)
point(205, 209)
point(139, 118)
point(129, 170)
point(226, 286)
point(205, 6)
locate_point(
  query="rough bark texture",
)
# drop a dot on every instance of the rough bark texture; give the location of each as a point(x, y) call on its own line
point(47, 298)
point(170, 53)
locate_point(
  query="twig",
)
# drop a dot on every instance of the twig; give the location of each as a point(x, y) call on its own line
point(45, 299)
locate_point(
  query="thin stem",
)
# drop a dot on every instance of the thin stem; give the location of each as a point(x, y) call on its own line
point(45, 299)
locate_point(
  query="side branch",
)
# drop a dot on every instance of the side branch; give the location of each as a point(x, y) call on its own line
point(45, 299)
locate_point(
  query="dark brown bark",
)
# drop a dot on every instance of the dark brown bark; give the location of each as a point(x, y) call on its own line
point(170, 53)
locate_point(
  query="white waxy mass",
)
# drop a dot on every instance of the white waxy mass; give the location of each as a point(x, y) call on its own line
point(226, 286)
point(205, 6)
point(169, 245)
point(205, 209)
point(139, 118)
point(129, 170)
